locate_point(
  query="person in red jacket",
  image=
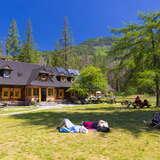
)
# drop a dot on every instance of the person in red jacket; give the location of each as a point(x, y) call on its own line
point(100, 126)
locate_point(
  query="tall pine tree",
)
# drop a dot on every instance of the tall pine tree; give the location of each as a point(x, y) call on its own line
point(1, 49)
point(27, 47)
point(65, 42)
point(12, 42)
point(29, 36)
point(28, 53)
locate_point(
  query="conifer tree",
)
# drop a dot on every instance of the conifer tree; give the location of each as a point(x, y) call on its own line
point(65, 42)
point(29, 36)
point(12, 42)
point(27, 47)
point(1, 49)
point(138, 50)
point(28, 52)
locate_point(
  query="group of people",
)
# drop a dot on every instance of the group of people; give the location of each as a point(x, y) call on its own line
point(138, 102)
point(67, 126)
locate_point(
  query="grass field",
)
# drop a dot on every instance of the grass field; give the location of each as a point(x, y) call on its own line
point(33, 135)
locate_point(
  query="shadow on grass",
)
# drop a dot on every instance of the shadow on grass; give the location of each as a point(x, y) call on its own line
point(129, 120)
point(105, 108)
point(101, 108)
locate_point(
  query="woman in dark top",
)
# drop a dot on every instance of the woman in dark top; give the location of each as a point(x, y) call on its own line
point(100, 126)
point(138, 101)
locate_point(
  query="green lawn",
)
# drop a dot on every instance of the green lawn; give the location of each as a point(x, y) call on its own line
point(32, 136)
point(9, 110)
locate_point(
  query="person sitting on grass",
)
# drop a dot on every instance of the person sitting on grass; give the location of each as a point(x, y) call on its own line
point(145, 103)
point(141, 104)
point(138, 101)
point(100, 126)
point(67, 126)
point(155, 120)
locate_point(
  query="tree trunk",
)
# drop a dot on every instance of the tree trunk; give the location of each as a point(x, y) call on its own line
point(157, 93)
point(117, 85)
point(155, 65)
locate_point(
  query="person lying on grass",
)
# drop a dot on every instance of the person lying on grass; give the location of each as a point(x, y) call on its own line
point(100, 126)
point(67, 126)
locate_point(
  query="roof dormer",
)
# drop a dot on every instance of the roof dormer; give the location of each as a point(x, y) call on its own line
point(61, 78)
point(5, 71)
point(44, 75)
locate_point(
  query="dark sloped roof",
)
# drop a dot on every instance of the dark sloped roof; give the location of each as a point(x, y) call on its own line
point(73, 72)
point(26, 74)
point(66, 72)
point(51, 84)
point(5, 67)
point(17, 67)
point(60, 71)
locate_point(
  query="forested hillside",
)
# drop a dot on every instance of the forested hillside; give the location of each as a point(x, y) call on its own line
point(99, 42)
point(90, 52)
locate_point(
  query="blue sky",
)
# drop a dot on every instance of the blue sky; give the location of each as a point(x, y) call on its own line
point(87, 18)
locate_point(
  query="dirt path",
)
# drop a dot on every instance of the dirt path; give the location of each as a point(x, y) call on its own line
point(32, 110)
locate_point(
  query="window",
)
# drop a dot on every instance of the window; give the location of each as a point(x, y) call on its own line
point(58, 78)
point(35, 91)
point(50, 91)
point(17, 93)
point(60, 93)
point(63, 79)
point(70, 79)
point(28, 91)
point(5, 71)
point(43, 77)
point(5, 93)
point(6, 74)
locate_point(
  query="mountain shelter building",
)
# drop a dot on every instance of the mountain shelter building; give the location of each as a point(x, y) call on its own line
point(23, 83)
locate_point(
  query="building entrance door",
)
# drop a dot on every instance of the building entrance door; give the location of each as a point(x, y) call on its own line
point(43, 94)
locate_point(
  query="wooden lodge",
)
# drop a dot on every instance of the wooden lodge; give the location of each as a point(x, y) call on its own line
point(23, 83)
